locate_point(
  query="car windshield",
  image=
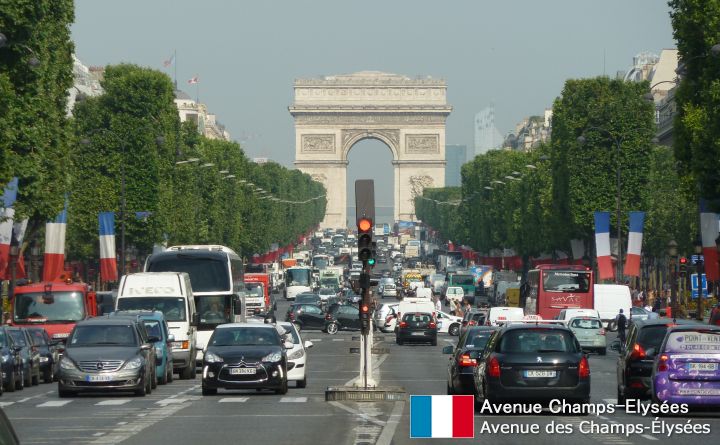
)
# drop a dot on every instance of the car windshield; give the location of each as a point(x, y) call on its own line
point(3, 339)
point(651, 336)
point(585, 323)
point(245, 336)
point(54, 306)
point(306, 299)
point(477, 339)
point(566, 281)
point(153, 328)
point(463, 280)
point(102, 335)
point(173, 308)
point(537, 340)
point(253, 290)
point(37, 337)
point(18, 338)
point(696, 341)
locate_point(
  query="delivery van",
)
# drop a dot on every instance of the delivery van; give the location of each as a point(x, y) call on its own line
point(171, 294)
point(609, 299)
point(423, 305)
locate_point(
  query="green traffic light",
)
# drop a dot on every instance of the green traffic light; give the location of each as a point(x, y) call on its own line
point(371, 261)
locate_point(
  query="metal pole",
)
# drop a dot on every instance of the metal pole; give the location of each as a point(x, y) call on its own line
point(619, 224)
point(700, 272)
point(122, 213)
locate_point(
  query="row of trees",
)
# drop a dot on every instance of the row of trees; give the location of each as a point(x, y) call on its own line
point(536, 202)
point(132, 131)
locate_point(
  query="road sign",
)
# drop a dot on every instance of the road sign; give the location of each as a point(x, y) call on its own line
point(694, 286)
point(696, 258)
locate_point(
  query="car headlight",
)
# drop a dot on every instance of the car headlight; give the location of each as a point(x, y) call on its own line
point(67, 364)
point(44, 359)
point(211, 357)
point(5, 358)
point(272, 357)
point(134, 363)
point(296, 355)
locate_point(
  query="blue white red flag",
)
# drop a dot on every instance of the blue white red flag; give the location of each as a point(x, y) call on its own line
point(108, 259)
point(7, 213)
point(169, 62)
point(635, 237)
point(55, 246)
point(442, 417)
point(709, 232)
point(602, 246)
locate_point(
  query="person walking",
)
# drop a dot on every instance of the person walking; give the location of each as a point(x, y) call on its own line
point(621, 322)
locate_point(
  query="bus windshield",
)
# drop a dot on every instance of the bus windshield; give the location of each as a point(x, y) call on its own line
point(320, 262)
point(253, 290)
point(566, 281)
point(207, 274)
point(173, 308)
point(297, 277)
point(37, 307)
point(462, 280)
point(213, 310)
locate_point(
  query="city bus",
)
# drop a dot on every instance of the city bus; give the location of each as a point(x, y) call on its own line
point(216, 277)
point(297, 281)
point(464, 279)
point(554, 287)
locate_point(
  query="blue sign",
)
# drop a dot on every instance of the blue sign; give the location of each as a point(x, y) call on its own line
point(694, 286)
point(696, 258)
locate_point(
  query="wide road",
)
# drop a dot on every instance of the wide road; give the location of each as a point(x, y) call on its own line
point(177, 413)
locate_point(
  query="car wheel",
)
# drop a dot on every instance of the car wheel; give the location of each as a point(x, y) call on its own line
point(35, 380)
point(154, 380)
point(620, 396)
point(187, 372)
point(434, 342)
point(164, 379)
point(148, 384)
point(450, 390)
point(28, 378)
point(209, 391)
point(63, 393)
point(10, 385)
point(301, 383)
point(49, 374)
point(332, 328)
point(142, 391)
point(283, 389)
point(170, 375)
point(21, 381)
point(454, 330)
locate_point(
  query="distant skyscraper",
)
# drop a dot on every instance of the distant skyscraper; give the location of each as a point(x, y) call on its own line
point(487, 136)
point(455, 157)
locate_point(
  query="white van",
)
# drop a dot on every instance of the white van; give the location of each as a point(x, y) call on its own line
point(609, 299)
point(171, 294)
point(566, 314)
point(424, 293)
point(423, 305)
point(499, 315)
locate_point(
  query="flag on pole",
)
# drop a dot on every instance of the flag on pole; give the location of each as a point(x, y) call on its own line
point(709, 232)
point(6, 224)
point(194, 80)
point(634, 250)
point(108, 260)
point(442, 416)
point(55, 246)
point(602, 245)
point(19, 228)
point(169, 62)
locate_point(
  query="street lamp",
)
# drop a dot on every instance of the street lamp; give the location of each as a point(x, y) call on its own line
point(714, 52)
point(672, 253)
point(187, 161)
point(33, 61)
point(207, 164)
point(123, 143)
point(618, 142)
point(700, 267)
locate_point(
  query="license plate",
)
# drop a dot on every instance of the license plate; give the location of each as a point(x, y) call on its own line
point(417, 333)
point(177, 345)
point(702, 367)
point(698, 392)
point(98, 378)
point(242, 371)
point(535, 374)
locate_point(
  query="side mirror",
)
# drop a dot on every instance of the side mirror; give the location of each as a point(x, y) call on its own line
point(615, 346)
point(447, 350)
point(308, 344)
point(171, 338)
point(289, 345)
point(145, 347)
point(195, 319)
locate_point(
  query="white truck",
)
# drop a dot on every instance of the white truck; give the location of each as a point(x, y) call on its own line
point(412, 249)
point(423, 305)
point(609, 299)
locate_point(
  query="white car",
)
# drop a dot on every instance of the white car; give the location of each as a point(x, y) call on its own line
point(450, 324)
point(297, 356)
point(385, 317)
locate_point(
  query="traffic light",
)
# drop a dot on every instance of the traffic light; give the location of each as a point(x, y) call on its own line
point(683, 266)
point(365, 317)
point(373, 254)
point(365, 226)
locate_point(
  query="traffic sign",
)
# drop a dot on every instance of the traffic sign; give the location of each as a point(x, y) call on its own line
point(694, 286)
point(696, 258)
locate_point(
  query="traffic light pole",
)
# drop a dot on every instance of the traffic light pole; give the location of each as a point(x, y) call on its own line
point(366, 342)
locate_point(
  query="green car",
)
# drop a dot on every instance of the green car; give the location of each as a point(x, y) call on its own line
point(590, 333)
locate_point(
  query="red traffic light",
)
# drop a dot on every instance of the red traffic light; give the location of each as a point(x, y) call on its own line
point(365, 308)
point(683, 260)
point(364, 224)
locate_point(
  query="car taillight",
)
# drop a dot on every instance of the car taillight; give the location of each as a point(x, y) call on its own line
point(602, 331)
point(291, 316)
point(493, 369)
point(662, 363)
point(433, 325)
point(466, 360)
point(584, 368)
point(472, 323)
point(637, 352)
point(328, 317)
point(403, 324)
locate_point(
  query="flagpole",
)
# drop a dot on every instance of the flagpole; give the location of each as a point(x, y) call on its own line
point(197, 92)
point(175, 67)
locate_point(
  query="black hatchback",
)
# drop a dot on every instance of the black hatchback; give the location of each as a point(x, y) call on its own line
point(49, 355)
point(306, 316)
point(533, 363)
point(417, 327)
point(465, 354)
point(13, 376)
point(29, 353)
point(637, 355)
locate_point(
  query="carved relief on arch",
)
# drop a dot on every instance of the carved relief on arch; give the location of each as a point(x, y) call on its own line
point(418, 183)
point(390, 137)
point(319, 177)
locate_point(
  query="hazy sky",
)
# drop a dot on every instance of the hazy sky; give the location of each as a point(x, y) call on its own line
point(514, 53)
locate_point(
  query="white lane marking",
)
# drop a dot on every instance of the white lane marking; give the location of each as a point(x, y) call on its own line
point(4, 404)
point(610, 401)
point(98, 434)
point(113, 402)
point(170, 401)
point(122, 423)
point(338, 339)
point(233, 400)
point(315, 340)
point(122, 432)
point(649, 437)
point(357, 413)
point(449, 340)
point(293, 400)
point(388, 430)
point(54, 403)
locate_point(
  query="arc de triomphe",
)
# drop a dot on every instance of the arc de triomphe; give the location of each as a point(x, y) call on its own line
point(335, 112)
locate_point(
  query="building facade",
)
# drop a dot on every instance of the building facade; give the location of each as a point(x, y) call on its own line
point(487, 136)
point(455, 157)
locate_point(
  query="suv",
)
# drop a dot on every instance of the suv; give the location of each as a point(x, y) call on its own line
point(158, 334)
point(637, 355)
point(107, 354)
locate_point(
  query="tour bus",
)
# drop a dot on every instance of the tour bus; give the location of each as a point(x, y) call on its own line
point(216, 276)
point(554, 287)
point(464, 279)
point(297, 281)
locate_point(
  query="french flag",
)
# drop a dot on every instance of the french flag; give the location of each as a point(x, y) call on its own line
point(602, 246)
point(632, 260)
point(442, 417)
point(108, 260)
point(709, 232)
point(7, 214)
point(55, 247)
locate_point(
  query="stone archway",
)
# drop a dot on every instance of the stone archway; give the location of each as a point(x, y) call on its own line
point(334, 113)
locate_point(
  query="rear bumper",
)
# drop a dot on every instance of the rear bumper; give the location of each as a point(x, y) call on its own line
point(182, 359)
point(417, 336)
point(690, 392)
point(464, 383)
point(498, 392)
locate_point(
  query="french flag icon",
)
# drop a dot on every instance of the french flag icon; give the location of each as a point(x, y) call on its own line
point(442, 417)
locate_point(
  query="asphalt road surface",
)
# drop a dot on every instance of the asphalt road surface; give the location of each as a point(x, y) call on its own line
point(177, 413)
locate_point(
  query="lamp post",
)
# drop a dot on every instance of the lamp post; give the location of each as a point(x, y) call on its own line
point(33, 61)
point(618, 143)
point(672, 253)
point(700, 268)
point(85, 141)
